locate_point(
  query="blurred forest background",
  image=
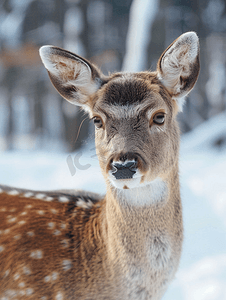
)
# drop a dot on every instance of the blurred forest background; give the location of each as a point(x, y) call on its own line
point(127, 35)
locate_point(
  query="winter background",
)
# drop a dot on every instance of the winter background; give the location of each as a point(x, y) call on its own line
point(42, 136)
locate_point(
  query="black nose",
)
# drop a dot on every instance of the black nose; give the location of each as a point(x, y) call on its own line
point(124, 170)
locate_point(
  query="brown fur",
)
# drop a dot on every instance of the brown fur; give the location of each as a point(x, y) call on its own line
point(126, 245)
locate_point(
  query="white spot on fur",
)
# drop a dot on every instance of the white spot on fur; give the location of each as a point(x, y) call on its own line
point(54, 211)
point(54, 276)
point(6, 273)
point(12, 220)
point(23, 213)
point(16, 276)
point(3, 209)
point(40, 212)
point(12, 210)
point(47, 278)
point(57, 232)
point(59, 296)
point(64, 243)
point(13, 193)
point(26, 270)
point(7, 231)
point(67, 264)
point(51, 277)
point(22, 293)
point(48, 198)
point(21, 222)
point(63, 199)
point(21, 284)
point(36, 254)
point(28, 206)
point(29, 291)
point(63, 226)
point(51, 225)
point(2, 248)
point(82, 203)
point(40, 196)
point(11, 294)
point(30, 233)
point(17, 237)
point(28, 195)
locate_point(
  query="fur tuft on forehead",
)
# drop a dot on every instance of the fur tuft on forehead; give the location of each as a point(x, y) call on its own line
point(126, 90)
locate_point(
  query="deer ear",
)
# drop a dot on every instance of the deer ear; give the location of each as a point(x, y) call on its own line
point(74, 77)
point(178, 66)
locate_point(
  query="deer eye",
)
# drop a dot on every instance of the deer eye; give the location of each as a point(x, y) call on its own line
point(159, 118)
point(97, 122)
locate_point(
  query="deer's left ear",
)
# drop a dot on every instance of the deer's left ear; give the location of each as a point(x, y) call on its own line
point(178, 66)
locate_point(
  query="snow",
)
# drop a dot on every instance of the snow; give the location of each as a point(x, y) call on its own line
point(202, 271)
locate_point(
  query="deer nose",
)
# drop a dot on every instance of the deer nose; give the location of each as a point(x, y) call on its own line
point(124, 170)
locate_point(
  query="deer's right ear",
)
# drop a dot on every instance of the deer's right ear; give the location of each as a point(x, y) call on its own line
point(74, 77)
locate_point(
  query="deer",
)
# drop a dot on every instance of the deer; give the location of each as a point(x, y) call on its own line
point(69, 244)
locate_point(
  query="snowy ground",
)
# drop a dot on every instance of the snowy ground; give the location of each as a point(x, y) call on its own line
point(202, 272)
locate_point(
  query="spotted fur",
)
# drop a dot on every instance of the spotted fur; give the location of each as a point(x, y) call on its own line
point(126, 244)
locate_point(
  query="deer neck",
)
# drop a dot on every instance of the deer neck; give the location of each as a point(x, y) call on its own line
point(139, 217)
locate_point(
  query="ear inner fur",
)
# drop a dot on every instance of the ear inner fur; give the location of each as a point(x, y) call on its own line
point(73, 76)
point(178, 66)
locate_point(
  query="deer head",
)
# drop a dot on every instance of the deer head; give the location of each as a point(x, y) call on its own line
point(137, 136)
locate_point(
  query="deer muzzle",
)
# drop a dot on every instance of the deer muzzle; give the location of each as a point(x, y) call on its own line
point(124, 170)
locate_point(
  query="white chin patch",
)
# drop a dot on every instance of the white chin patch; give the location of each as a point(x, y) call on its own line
point(126, 183)
point(141, 194)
